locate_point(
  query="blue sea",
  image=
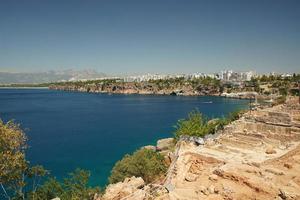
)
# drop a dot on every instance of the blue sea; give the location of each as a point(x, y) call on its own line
point(69, 130)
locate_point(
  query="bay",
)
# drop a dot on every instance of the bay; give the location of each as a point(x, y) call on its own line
point(69, 130)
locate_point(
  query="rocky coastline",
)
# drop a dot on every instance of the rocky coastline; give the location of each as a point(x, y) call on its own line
point(257, 156)
point(146, 88)
point(138, 88)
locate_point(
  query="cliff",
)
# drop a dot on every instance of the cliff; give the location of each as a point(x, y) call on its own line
point(114, 87)
point(255, 157)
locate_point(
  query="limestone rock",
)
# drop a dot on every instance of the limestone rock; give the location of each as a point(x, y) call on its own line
point(217, 190)
point(211, 189)
point(285, 195)
point(288, 165)
point(149, 147)
point(191, 177)
point(122, 189)
point(270, 150)
point(165, 144)
point(168, 159)
point(213, 177)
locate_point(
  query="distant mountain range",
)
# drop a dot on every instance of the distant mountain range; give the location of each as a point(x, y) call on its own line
point(49, 76)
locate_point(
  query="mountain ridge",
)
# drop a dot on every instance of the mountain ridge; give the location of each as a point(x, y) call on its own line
point(48, 76)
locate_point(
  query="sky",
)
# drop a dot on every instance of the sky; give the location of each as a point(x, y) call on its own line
point(150, 36)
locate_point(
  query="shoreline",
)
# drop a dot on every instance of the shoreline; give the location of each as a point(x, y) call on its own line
point(7, 87)
point(237, 95)
point(230, 96)
point(157, 94)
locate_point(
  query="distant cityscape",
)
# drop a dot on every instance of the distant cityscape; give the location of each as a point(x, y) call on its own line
point(224, 75)
point(85, 75)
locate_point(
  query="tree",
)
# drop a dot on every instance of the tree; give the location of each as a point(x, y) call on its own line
point(13, 164)
point(144, 163)
point(74, 187)
point(15, 171)
point(16, 174)
point(194, 125)
point(36, 173)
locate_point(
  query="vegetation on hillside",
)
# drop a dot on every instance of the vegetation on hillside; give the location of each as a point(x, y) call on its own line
point(198, 125)
point(73, 187)
point(144, 163)
point(265, 84)
point(276, 84)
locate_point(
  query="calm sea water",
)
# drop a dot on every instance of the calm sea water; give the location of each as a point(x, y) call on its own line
point(67, 130)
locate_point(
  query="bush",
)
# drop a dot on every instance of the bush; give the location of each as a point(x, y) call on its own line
point(235, 115)
point(74, 187)
point(198, 125)
point(143, 163)
point(194, 125)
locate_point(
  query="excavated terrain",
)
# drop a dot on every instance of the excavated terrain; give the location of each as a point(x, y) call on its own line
point(255, 157)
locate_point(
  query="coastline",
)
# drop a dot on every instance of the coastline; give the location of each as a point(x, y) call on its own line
point(239, 95)
point(7, 87)
point(225, 95)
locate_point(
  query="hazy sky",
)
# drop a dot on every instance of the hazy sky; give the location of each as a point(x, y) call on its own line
point(163, 36)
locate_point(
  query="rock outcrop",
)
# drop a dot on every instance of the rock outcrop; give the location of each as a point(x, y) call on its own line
point(255, 157)
point(165, 144)
point(126, 188)
point(185, 89)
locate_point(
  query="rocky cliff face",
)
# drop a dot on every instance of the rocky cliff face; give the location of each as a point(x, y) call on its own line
point(255, 157)
point(139, 88)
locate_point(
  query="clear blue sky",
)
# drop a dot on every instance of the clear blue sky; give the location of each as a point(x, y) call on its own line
point(163, 36)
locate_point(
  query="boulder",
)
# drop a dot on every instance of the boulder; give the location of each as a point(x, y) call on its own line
point(122, 189)
point(213, 121)
point(270, 150)
point(286, 196)
point(165, 144)
point(211, 189)
point(213, 177)
point(149, 147)
point(191, 177)
point(168, 159)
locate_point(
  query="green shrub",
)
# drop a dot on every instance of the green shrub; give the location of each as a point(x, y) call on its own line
point(232, 116)
point(74, 187)
point(143, 163)
point(194, 125)
point(198, 125)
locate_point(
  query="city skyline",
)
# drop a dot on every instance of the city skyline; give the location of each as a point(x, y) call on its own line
point(84, 75)
point(139, 37)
